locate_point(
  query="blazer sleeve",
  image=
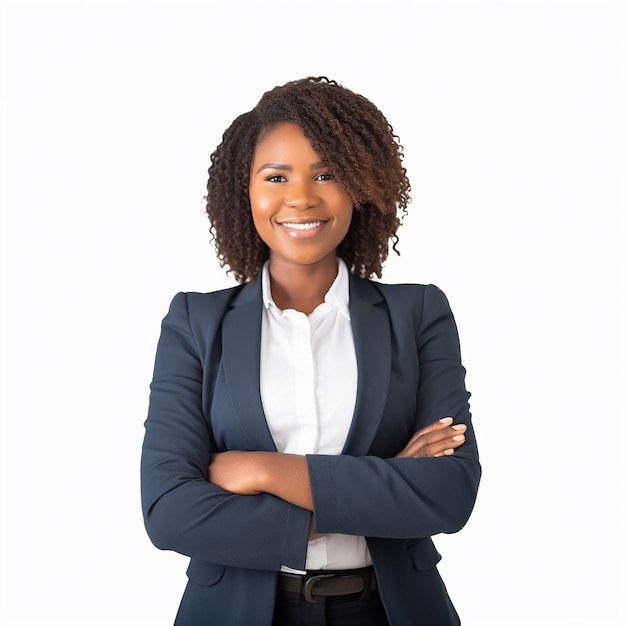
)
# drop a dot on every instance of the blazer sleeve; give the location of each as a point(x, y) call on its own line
point(182, 510)
point(408, 498)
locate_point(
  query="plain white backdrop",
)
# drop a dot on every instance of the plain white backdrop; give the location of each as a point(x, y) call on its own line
point(510, 114)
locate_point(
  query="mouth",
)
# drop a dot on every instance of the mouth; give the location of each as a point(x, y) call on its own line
point(302, 229)
point(302, 225)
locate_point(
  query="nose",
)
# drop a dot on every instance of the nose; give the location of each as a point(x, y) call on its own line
point(301, 195)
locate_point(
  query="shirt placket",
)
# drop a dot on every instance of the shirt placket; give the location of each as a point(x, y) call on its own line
point(304, 384)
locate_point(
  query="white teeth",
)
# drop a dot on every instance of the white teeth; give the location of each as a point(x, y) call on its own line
point(306, 226)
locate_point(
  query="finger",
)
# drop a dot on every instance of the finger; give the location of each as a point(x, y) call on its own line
point(447, 452)
point(423, 439)
point(447, 447)
point(434, 443)
point(433, 427)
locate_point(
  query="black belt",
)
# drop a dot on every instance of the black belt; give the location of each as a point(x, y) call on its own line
point(329, 583)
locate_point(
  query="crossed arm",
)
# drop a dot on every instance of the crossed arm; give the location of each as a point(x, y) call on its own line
point(287, 477)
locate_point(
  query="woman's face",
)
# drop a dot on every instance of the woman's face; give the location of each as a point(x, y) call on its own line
point(299, 210)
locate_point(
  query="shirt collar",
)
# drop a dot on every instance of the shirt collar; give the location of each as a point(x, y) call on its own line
point(337, 296)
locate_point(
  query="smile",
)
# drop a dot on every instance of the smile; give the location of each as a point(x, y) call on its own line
point(300, 226)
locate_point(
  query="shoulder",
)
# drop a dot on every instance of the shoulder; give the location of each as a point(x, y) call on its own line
point(198, 307)
point(211, 299)
point(400, 294)
point(201, 315)
point(412, 304)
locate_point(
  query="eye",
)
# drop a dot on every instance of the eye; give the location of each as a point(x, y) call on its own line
point(275, 178)
point(325, 176)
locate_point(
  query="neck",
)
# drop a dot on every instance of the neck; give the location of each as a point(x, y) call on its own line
point(301, 287)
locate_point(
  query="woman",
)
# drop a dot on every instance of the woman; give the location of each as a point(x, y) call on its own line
point(309, 430)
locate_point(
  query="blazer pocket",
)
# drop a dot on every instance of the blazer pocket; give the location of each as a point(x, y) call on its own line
point(424, 554)
point(205, 573)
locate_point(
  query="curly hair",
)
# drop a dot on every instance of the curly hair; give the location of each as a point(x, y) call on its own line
point(351, 135)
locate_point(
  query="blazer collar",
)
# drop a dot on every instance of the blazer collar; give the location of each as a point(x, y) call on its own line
point(241, 342)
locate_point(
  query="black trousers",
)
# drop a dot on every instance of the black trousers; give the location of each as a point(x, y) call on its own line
point(292, 609)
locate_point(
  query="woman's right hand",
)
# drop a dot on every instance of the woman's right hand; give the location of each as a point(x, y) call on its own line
point(440, 438)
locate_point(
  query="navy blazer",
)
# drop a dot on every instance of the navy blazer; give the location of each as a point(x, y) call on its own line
point(205, 397)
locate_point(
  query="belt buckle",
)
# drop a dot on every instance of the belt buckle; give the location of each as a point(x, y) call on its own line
point(310, 583)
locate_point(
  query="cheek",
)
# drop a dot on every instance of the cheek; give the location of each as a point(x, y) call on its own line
point(259, 207)
point(346, 213)
point(263, 206)
point(346, 226)
point(259, 220)
point(261, 201)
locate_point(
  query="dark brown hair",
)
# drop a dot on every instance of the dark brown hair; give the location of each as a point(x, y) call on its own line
point(351, 135)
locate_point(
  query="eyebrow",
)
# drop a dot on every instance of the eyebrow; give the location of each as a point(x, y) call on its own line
point(288, 168)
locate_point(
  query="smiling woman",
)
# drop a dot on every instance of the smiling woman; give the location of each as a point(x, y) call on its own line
point(349, 135)
point(299, 210)
point(309, 430)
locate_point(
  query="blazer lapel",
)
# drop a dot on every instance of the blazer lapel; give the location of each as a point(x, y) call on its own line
point(372, 342)
point(241, 348)
point(241, 339)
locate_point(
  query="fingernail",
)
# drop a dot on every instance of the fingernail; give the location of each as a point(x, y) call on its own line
point(460, 427)
point(449, 451)
point(458, 437)
point(446, 420)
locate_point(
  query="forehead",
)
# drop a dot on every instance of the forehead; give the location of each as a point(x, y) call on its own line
point(284, 138)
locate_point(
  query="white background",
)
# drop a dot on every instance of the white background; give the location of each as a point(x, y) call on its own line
point(510, 115)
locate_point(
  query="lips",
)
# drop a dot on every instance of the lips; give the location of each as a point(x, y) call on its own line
point(302, 228)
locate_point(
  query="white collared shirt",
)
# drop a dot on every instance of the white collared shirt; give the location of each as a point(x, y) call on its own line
point(308, 391)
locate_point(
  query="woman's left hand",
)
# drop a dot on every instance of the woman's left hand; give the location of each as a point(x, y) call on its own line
point(440, 438)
